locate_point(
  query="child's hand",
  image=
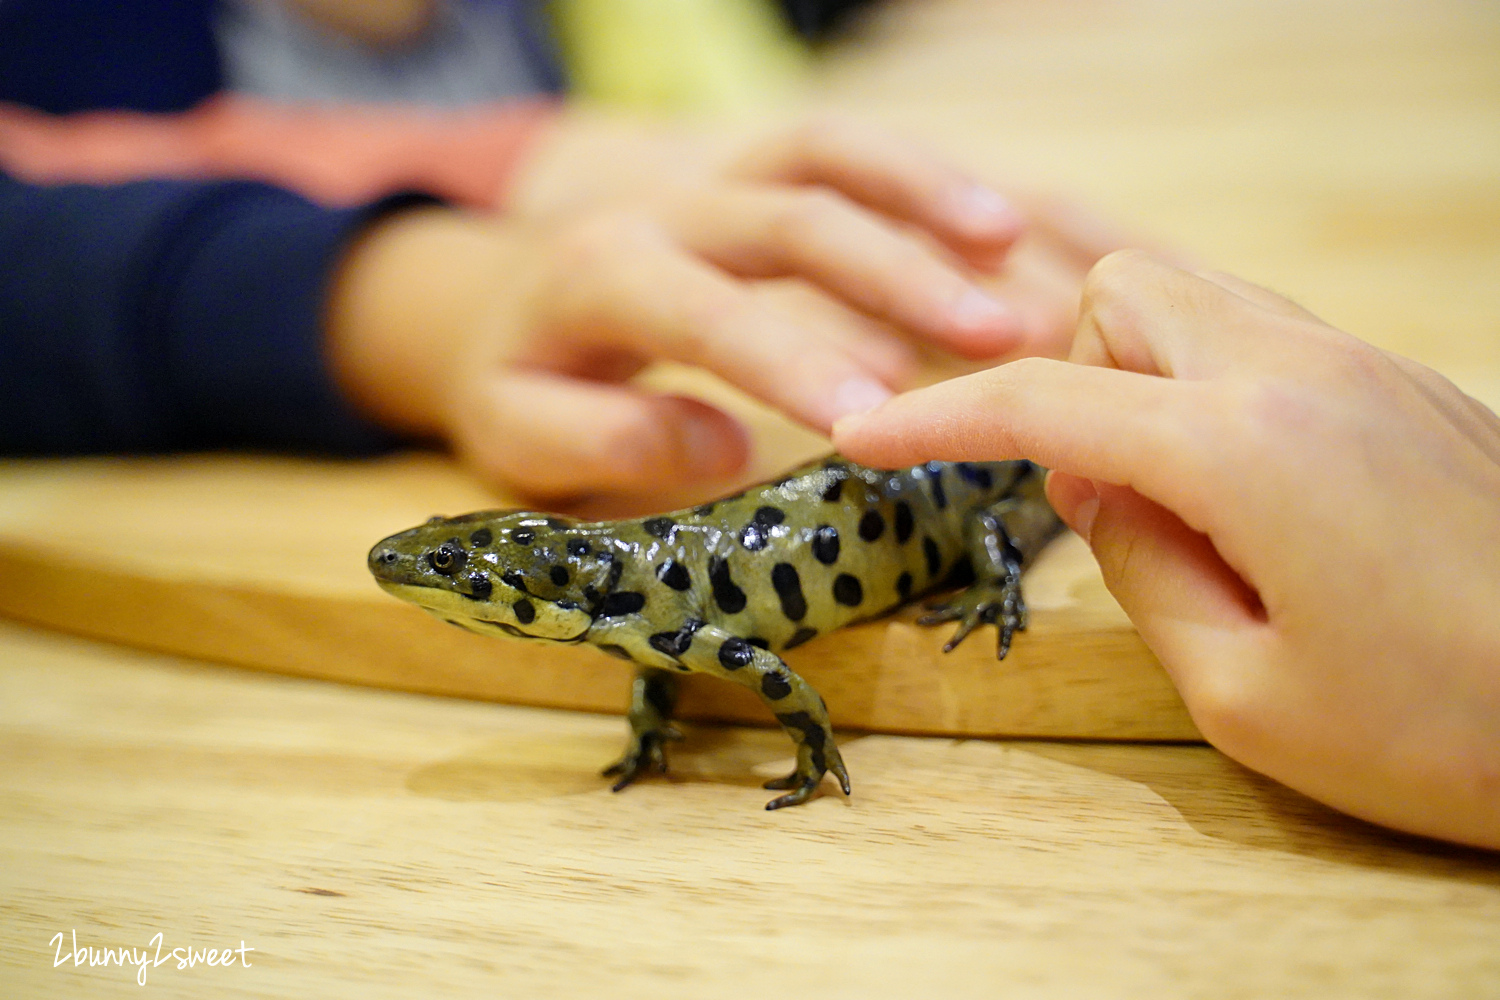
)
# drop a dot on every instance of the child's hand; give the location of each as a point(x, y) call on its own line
point(1305, 529)
point(514, 338)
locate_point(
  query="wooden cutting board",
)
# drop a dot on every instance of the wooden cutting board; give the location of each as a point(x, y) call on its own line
point(260, 562)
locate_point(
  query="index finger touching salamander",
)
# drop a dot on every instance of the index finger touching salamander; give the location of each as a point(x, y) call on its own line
point(721, 588)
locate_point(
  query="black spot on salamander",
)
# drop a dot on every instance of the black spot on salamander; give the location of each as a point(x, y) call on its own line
point(756, 640)
point(659, 527)
point(619, 652)
point(789, 588)
point(775, 686)
point(481, 538)
point(757, 533)
point(800, 636)
point(624, 602)
point(935, 477)
point(479, 586)
point(769, 516)
point(847, 590)
point(705, 510)
point(904, 522)
point(578, 547)
point(559, 575)
point(978, 475)
point(523, 536)
point(514, 579)
point(834, 491)
point(616, 567)
point(676, 643)
point(825, 544)
point(960, 574)
point(813, 734)
point(933, 556)
point(674, 574)
point(903, 587)
point(729, 598)
point(556, 525)
point(525, 611)
point(871, 526)
point(735, 653)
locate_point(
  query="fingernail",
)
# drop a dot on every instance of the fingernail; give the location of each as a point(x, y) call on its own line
point(975, 310)
point(858, 395)
point(978, 208)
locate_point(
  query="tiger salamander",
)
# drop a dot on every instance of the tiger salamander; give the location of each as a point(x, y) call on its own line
point(722, 588)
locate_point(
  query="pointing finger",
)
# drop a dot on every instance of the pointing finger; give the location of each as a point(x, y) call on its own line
point(1149, 433)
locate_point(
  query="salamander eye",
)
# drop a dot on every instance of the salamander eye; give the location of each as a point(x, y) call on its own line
point(448, 558)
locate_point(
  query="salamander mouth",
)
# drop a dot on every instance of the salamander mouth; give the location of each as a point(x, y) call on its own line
point(442, 604)
point(510, 629)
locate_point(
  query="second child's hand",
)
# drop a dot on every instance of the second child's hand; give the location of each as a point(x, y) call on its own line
point(1303, 527)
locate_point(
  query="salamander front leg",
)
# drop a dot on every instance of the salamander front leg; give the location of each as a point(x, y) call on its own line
point(653, 697)
point(798, 708)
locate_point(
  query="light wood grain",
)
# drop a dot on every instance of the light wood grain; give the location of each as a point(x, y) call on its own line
point(374, 844)
point(260, 562)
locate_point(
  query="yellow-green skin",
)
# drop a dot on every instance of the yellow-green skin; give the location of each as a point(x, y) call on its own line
point(721, 588)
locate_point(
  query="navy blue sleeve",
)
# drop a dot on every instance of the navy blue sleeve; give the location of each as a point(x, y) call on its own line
point(80, 55)
point(169, 315)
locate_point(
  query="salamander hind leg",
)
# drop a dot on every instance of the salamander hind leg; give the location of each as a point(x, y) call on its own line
point(798, 708)
point(653, 696)
point(995, 596)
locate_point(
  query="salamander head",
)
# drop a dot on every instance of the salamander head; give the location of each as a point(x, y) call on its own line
point(498, 572)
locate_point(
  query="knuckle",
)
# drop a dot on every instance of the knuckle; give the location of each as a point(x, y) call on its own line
point(1113, 278)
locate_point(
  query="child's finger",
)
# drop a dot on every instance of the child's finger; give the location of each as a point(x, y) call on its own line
point(551, 436)
point(854, 254)
point(1141, 314)
point(1118, 427)
point(897, 178)
point(651, 298)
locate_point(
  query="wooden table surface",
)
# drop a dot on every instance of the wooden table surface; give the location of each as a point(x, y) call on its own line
point(372, 843)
